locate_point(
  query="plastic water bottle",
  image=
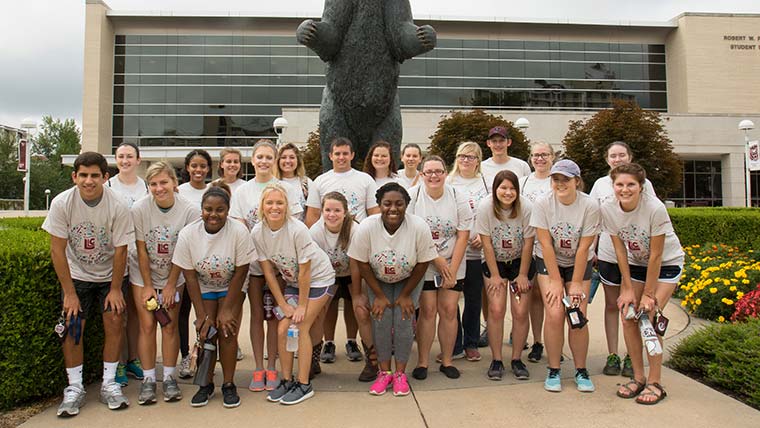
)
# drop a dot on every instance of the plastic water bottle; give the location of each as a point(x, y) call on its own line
point(268, 306)
point(651, 341)
point(292, 343)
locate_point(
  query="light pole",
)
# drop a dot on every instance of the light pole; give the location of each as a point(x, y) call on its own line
point(47, 199)
point(29, 125)
point(522, 124)
point(747, 125)
point(279, 126)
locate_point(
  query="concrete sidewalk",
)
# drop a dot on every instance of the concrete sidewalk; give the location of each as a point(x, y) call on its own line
point(472, 400)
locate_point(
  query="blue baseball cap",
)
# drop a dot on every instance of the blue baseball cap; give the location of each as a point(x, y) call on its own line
point(567, 168)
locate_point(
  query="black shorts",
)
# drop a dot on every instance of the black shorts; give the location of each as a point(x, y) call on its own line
point(565, 272)
point(430, 286)
point(509, 270)
point(92, 295)
point(669, 274)
point(344, 291)
point(609, 273)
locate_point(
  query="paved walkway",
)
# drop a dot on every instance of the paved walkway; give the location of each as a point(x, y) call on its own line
point(472, 400)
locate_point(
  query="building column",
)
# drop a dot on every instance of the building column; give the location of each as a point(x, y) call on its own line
point(97, 102)
point(733, 179)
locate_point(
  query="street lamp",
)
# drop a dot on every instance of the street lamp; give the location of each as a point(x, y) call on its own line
point(279, 126)
point(747, 125)
point(29, 125)
point(47, 199)
point(522, 123)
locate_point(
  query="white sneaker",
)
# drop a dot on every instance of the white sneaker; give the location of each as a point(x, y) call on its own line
point(110, 393)
point(184, 368)
point(73, 399)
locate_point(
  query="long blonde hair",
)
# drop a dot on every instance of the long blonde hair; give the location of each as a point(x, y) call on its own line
point(464, 148)
point(300, 168)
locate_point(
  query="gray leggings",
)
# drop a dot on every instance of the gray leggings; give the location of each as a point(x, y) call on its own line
point(392, 334)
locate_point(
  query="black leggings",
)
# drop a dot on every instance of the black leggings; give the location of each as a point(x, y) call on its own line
point(184, 320)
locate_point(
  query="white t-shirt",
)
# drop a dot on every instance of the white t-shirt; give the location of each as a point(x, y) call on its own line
point(445, 217)
point(604, 192)
point(380, 181)
point(236, 185)
point(489, 168)
point(131, 193)
point(159, 230)
point(214, 257)
point(328, 242)
point(636, 228)
point(245, 202)
point(534, 188)
point(358, 188)
point(475, 189)
point(393, 257)
point(195, 196)
point(92, 233)
point(566, 224)
point(302, 186)
point(288, 248)
point(403, 180)
point(508, 234)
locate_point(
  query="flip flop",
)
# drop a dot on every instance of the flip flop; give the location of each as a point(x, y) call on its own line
point(651, 393)
point(630, 391)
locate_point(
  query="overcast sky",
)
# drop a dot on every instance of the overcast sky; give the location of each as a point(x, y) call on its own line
point(41, 41)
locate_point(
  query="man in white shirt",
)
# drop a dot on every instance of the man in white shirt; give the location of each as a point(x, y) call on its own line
point(499, 142)
point(358, 187)
point(90, 228)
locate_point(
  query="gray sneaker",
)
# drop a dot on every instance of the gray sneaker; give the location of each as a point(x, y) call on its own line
point(110, 393)
point(352, 351)
point(171, 390)
point(299, 392)
point(282, 388)
point(184, 368)
point(73, 399)
point(147, 393)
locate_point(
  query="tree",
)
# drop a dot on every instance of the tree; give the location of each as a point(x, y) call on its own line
point(473, 126)
point(57, 138)
point(312, 155)
point(642, 130)
point(11, 184)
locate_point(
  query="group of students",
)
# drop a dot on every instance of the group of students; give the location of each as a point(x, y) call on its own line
point(400, 247)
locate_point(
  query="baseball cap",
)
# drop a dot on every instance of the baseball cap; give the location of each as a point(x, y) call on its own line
point(567, 168)
point(498, 130)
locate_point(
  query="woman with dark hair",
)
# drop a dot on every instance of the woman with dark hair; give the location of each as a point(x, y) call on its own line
point(411, 156)
point(392, 250)
point(379, 163)
point(291, 170)
point(231, 168)
point(197, 167)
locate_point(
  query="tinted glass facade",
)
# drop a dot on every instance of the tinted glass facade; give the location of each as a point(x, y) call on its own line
point(227, 90)
point(701, 185)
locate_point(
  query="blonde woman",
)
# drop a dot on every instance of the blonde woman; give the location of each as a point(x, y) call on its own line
point(291, 170)
point(231, 168)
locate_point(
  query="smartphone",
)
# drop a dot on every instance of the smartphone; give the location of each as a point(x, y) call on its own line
point(437, 281)
point(279, 313)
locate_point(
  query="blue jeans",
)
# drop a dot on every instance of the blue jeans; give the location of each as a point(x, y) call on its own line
point(468, 322)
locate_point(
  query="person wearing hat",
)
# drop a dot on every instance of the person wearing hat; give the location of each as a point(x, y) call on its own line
point(567, 221)
point(499, 142)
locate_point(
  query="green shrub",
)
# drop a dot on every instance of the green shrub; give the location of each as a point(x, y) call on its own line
point(26, 223)
point(31, 360)
point(726, 356)
point(730, 226)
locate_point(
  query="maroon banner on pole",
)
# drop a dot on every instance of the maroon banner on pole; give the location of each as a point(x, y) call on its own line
point(22, 148)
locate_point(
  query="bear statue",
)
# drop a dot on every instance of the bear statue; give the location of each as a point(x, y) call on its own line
point(363, 43)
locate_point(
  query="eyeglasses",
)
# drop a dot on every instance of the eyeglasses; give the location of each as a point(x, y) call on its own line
point(433, 172)
point(468, 158)
point(540, 155)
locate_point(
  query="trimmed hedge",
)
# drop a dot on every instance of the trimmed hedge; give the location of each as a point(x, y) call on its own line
point(730, 226)
point(726, 356)
point(31, 360)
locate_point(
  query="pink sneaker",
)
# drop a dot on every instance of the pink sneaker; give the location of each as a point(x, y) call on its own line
point(382, 383)
point(272, 379)
point(400, 385)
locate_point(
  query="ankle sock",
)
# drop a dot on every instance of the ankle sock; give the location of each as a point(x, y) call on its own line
point(150, 374)
point(168, 371)
point(75, 375)
point(109, 372)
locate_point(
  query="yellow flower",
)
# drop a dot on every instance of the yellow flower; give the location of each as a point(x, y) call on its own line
point(728, 302)
point(721, 319)
point(683, 303)
point(713, 290)
point(732, 288)
point(745, 281)
point(698, 301)
point(739, 295)
point(726, 282)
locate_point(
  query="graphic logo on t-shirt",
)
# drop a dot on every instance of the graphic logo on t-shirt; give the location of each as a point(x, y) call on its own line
point(162, 248)
point(636, 240)
point(506, 244)
point(215, 272)
point(354, 203)
point(339, 261)
point(288, 267)
point(566, 237)
point(390, 266)
point(252, 218)
point(442, 230)
point(475, 197)
point(91, 244)
point(160, 242)
point(507, 241)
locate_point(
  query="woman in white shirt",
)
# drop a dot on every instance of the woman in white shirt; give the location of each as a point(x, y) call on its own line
point(214, 253)
point(284, 246)
point(290, 169)
point(503, 223)
point(379, 163)
point(197, 167)
point(411, 156)
point(449, 218)
point(566, 222)
point(158, 220)
point(650, 260)
point(230, 168)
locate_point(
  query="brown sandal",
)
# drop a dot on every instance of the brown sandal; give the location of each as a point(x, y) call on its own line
point(630, 392)
point(649, 392)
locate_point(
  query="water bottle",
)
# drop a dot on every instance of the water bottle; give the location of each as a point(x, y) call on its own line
point(268, 306)
point(651, 341)
point(292, 343)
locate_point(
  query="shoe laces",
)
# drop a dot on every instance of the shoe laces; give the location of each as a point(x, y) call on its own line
point(353, 346)
point(519, 364)
point(497, 365)
point(582, 373)
point(112, 388)
point(613, 359)
point(554, 372)
point(71, 393)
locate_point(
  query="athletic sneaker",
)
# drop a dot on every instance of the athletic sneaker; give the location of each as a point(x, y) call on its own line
point(352, 351)
point(201, 397)
point(272, 379)
point(135, 369)
point(582, 381)
point(110, 393)
point(553, 382)
point(328, 353)
point(258, 381)
point(400, 385)
point(472, 355)
point(280, 390)
point(184, 368)
point(299, 392)
point(382, 382)
point(612, 368)
point(483, 339)
point(535, 353)
point(496, 370)
point(147, 393)
point(230, 396)
point(171, 389)
point(627, 367)
point(121, 375)
point(519, 370)
point(73, 399)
